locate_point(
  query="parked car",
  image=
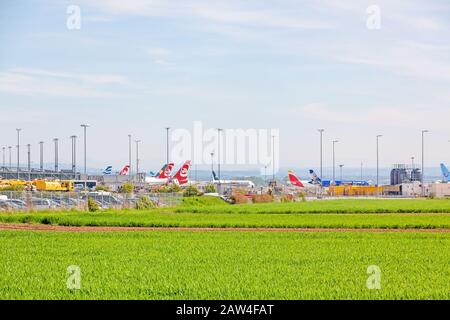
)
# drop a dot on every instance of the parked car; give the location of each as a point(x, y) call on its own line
point(16, 204)
point(43, 203)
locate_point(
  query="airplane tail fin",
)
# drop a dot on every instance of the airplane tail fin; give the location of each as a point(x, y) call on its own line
point(315, 178)
point(125, 171)
point(182, 175)
point(108, 170)
point(445, 172)
point(166, 171)
point(294, 180)
point(214, 176)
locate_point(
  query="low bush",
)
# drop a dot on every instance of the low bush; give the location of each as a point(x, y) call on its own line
point(144, 203)
point(93, 205)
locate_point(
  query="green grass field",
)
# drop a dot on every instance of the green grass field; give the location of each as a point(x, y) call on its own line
point(224, 265)
point(325, 206)
point(258, 220)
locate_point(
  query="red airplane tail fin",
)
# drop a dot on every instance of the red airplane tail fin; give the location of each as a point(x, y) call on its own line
point(124, 171)
point(182, 175)
point(294, 180)
point(166, 171)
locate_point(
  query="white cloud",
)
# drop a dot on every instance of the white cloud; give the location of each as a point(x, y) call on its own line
point(35, 82)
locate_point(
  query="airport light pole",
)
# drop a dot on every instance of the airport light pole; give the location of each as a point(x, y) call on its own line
point(129, 155)
point(55, 140)
point(265, 174)
point(41, 155)
point(423, 161)
point(219, 131)
point(212, 165)
point(85, 126)
point(273, 159)
point(167, 145)
point(18, 151)
point(10, 162)
point(378, 160)
point(362, 165)
point(321, 152)
point(137, 159)
point(74, 154)
point(334, 160)
point(29, 161)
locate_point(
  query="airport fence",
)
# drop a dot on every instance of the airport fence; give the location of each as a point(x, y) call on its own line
point(36, 200)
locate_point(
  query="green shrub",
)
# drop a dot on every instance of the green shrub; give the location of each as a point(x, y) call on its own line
point(190, 191)
point(144, 203)
point(171, 188)
point(127, 187)
point(93, 205)
point(203, 201)
point(210, 188)
point(102, 188)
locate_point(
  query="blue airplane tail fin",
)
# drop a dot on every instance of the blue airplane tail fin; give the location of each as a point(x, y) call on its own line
point(108, 170)
point(315, 178)
point(445, 172)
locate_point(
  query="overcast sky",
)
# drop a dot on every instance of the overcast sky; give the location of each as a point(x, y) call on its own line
point(139, 66)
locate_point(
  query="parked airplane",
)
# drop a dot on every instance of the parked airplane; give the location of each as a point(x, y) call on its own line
point(327, 183)
point(108, 170)
point(317, 181)
point(235, 183)
point(164, 177)
point(445, 173)
point(302, 183)
point(125, 171)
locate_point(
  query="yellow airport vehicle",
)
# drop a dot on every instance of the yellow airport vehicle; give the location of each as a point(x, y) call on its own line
point(355, 191)
point(12, 183)
point(44, 185)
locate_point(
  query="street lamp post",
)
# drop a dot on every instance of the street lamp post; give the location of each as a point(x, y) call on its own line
point(321, 152)
point(18, 151)
point(423, 161)
point(129, 155)
point(29, 161)
point(362, 165)
point(74, 154)
point(273, 159)
point(41, 155)
point(55, 140)
point(219, 131)
point(212, 165)
point(265, 174)
point(334, 160)
point(167, 145)
point(137, 159)
point(10, 162)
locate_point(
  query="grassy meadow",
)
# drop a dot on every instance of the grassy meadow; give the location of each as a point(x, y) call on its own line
point(224, 265)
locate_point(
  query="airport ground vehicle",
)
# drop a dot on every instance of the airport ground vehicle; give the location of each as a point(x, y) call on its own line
point(355, 190)
point(44, 185)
